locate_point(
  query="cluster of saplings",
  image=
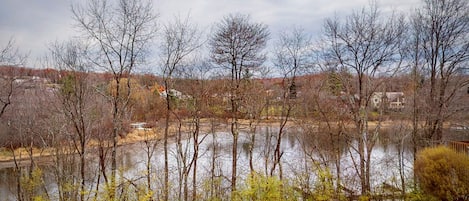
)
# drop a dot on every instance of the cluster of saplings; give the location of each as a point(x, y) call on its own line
point(80, 112)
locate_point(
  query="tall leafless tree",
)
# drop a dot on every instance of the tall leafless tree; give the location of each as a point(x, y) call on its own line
point(9, 56)
point(364, 44)
point(75, 98)
point(292, 57)
point(237, 45)
point(442, 29)
point(119, 33)
point(6, 93)
point(28, 121)
point(200, 100)
point(180, 40)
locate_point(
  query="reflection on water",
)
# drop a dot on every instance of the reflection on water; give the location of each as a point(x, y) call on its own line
point(300, 151)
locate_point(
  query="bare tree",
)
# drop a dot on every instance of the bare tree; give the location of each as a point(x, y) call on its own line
point(180, 40)
point(6, 93)
point(417, 104)
point(196, 83)
point(150, 145)
point(332, 121)
point(292, 57)
point(76, 98)
point(28, 122)
point(365, 45)
point(10, 56)
point(119, 33)
point(237, 45)
point(442, 42)
point(254, 103)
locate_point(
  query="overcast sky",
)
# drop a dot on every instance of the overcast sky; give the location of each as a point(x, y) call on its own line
point(36, 23)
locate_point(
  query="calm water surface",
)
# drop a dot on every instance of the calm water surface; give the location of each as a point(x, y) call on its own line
point(296, 162)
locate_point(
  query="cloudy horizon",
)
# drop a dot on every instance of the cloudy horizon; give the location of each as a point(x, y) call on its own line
point(35, 24)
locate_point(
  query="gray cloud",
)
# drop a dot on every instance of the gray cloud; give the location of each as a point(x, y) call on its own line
point(35, 23)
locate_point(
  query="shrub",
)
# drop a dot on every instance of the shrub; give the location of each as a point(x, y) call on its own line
point(443, 173)
point(261, 187)
point(324, 185)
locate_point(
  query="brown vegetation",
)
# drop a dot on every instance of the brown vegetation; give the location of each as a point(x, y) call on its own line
point(86, 105)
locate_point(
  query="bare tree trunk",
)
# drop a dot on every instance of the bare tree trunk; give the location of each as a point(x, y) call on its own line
point(234, 150)
point(195, 157)
point(17, 172)
point(444, 49)
point(415, 107)
point(115, 134)
point(150, 146)
point(235, 101)
point(381, 42)
point(237, 44)
point(118, 33)
point(9, 55)
point(267, 150)
point(362, 132)
point(400, 154)
point(214, 183)
point(251, 151)
point(181, 158)
point(181, 39)
point(5, 99)
point(277, 152)
point(292, 57)
point(165, 145)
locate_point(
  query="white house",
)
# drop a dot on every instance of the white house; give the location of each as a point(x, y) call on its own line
point(394, 100)
point(175, 93)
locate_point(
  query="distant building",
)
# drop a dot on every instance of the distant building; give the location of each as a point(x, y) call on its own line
point(393, 100)
point(175, 93)
point(138, 125)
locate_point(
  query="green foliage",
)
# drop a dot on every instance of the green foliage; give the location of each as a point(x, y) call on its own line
point(443, 173)
point(68, 189)
point(39, 198)
point(211, 189)
point(260, 187)
point(145, 196)
point(32, 185)
point(334, 83)
point(363, 198)
point(108, 192)
point(124, 190)
point(418, 195)
point(68, 85)
point(324, 185)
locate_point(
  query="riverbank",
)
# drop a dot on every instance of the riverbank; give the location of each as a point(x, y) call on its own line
point(22, 156)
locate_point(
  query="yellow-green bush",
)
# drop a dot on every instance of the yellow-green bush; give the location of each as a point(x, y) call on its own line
point(324, 185)
point(261, 187)
point(443, 173)
point(32, 185)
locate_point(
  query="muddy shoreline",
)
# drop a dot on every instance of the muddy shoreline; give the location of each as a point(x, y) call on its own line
point(45, 157)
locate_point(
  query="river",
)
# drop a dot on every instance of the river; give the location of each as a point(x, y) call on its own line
point(301, 156)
